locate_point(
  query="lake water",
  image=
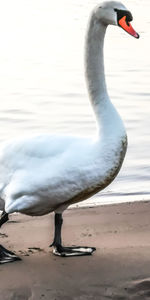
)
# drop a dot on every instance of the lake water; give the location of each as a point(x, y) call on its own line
point(42, 86)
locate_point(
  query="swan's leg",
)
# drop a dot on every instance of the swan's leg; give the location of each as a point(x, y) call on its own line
point(6, 255)
point(4, 218)
point(66, 251)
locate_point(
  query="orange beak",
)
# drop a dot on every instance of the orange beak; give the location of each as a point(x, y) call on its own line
point(127, 27)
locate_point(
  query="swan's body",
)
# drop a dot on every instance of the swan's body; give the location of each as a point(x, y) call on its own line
point(46, 173)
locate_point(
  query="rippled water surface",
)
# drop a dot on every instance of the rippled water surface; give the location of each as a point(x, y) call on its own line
point(42, 87)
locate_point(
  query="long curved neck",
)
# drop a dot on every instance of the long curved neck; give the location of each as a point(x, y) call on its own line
point(107, 117)
point(94, 61)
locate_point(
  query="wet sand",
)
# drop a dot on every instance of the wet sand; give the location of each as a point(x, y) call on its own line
point(118, 270)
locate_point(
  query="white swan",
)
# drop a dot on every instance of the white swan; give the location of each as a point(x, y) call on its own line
point(42, 174)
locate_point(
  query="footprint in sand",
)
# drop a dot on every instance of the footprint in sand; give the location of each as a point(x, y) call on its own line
point(31, 250)
point(35, 249)
point(135, 290)
point(23, 293)
point(3, 235)
point(140, 288)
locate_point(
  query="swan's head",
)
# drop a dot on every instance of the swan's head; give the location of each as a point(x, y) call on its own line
point(115, 13)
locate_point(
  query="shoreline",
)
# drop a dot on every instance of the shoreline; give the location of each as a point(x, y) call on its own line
point(107, 204)
point(119, 269)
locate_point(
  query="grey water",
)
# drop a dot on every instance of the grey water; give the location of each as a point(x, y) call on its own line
point(43, 90)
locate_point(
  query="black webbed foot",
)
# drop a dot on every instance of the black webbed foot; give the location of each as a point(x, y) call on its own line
point(72, 251)
point(7, 256)
point(59, 250)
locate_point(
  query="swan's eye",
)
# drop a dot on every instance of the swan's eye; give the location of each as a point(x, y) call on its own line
point(129, 17)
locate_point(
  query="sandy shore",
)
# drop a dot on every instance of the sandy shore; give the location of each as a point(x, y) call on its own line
point(119, 269)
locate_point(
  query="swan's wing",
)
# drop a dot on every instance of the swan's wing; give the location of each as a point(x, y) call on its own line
point(42, 187)
point(24, 153)
point(42, 177)
point(36, 146)
point(40, 190)
point(19, 153)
